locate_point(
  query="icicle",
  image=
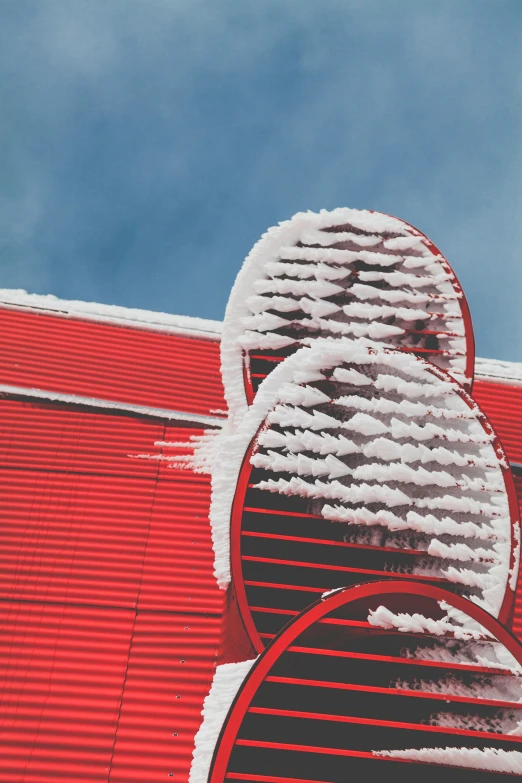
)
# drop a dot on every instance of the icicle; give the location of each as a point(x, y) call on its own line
point(417, 623)
point(405, 407)
point(341, 256)
point(269, 341)
point(314, 237)
point(461, 552)
point(302, 395)
point(405, 243)
point(282, 304)
point(397, 279)
point(489, 759)
point(351, 376)
point(364, 424)
point(370, 292)
point(305, 271)
point(318, 288)
point(371, 311)
point(412, 389)
point(264, 322)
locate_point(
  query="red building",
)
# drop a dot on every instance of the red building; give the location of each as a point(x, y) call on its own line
point(110, 614)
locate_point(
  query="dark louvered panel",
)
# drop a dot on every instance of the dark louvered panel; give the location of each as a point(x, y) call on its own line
point(379, 680)
point(62, 670)
point(171, 665)
point(379, 469)
point(503, 406)
point(93, 359)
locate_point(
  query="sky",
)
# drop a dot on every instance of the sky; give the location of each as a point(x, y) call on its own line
point(145, 145)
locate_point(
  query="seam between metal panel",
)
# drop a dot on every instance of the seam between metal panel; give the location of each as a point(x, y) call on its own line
point(140, 583)
point(182, 330)
point(189, 476)
point(122, 694)
point(107, 607)
point(110, 405)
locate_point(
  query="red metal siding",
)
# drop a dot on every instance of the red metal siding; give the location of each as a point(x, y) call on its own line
point(101, 533)
point(177, 572)
point(84, 523)
point(72, 537)
point(62, 670)
point(110, 362)
point(503, 406)
point(48, 436)
point(171, 665)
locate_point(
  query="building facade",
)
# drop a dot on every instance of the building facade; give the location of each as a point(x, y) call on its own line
point(111, 618)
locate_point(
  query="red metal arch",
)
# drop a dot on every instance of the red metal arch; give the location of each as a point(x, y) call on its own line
point(308, 619)
point(238, 509)
point(464, 306)
point(276, 356)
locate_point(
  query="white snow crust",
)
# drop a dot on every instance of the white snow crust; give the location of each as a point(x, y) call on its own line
point(492, 759)
point(96, 402)
point(458, 640)
point(18, 299)
point(385, 284)
point(227, 681)
point(382, 617)
point(496, 371)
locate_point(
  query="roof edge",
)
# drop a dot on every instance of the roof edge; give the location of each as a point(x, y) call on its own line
point(188, 326)
point(497, 371)
point(6, 390)
point(492, 370)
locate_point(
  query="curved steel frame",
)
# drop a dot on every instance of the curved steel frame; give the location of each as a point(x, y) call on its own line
point(311, 615)
point(506, 610)
point(464, 307)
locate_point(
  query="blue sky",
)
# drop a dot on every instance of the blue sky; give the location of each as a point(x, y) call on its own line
point(147, 144)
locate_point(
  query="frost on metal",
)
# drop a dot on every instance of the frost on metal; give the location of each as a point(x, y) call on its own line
point(490, 759)
point(18, 299)
point(387, 445)
point(492, 701)
point(228, 678)
point(346, 273)
point(437, 682)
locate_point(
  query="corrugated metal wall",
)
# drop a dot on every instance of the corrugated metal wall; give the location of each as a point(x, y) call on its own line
point(170, 673)
point(108, 608)
point(94, 359)
point(109, 613)
point(62, 674)
point(503, 406)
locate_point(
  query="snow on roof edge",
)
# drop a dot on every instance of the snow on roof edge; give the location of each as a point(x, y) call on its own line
point(493, 370)
point(19, 299)
point(96, 402)
point(497, 371)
